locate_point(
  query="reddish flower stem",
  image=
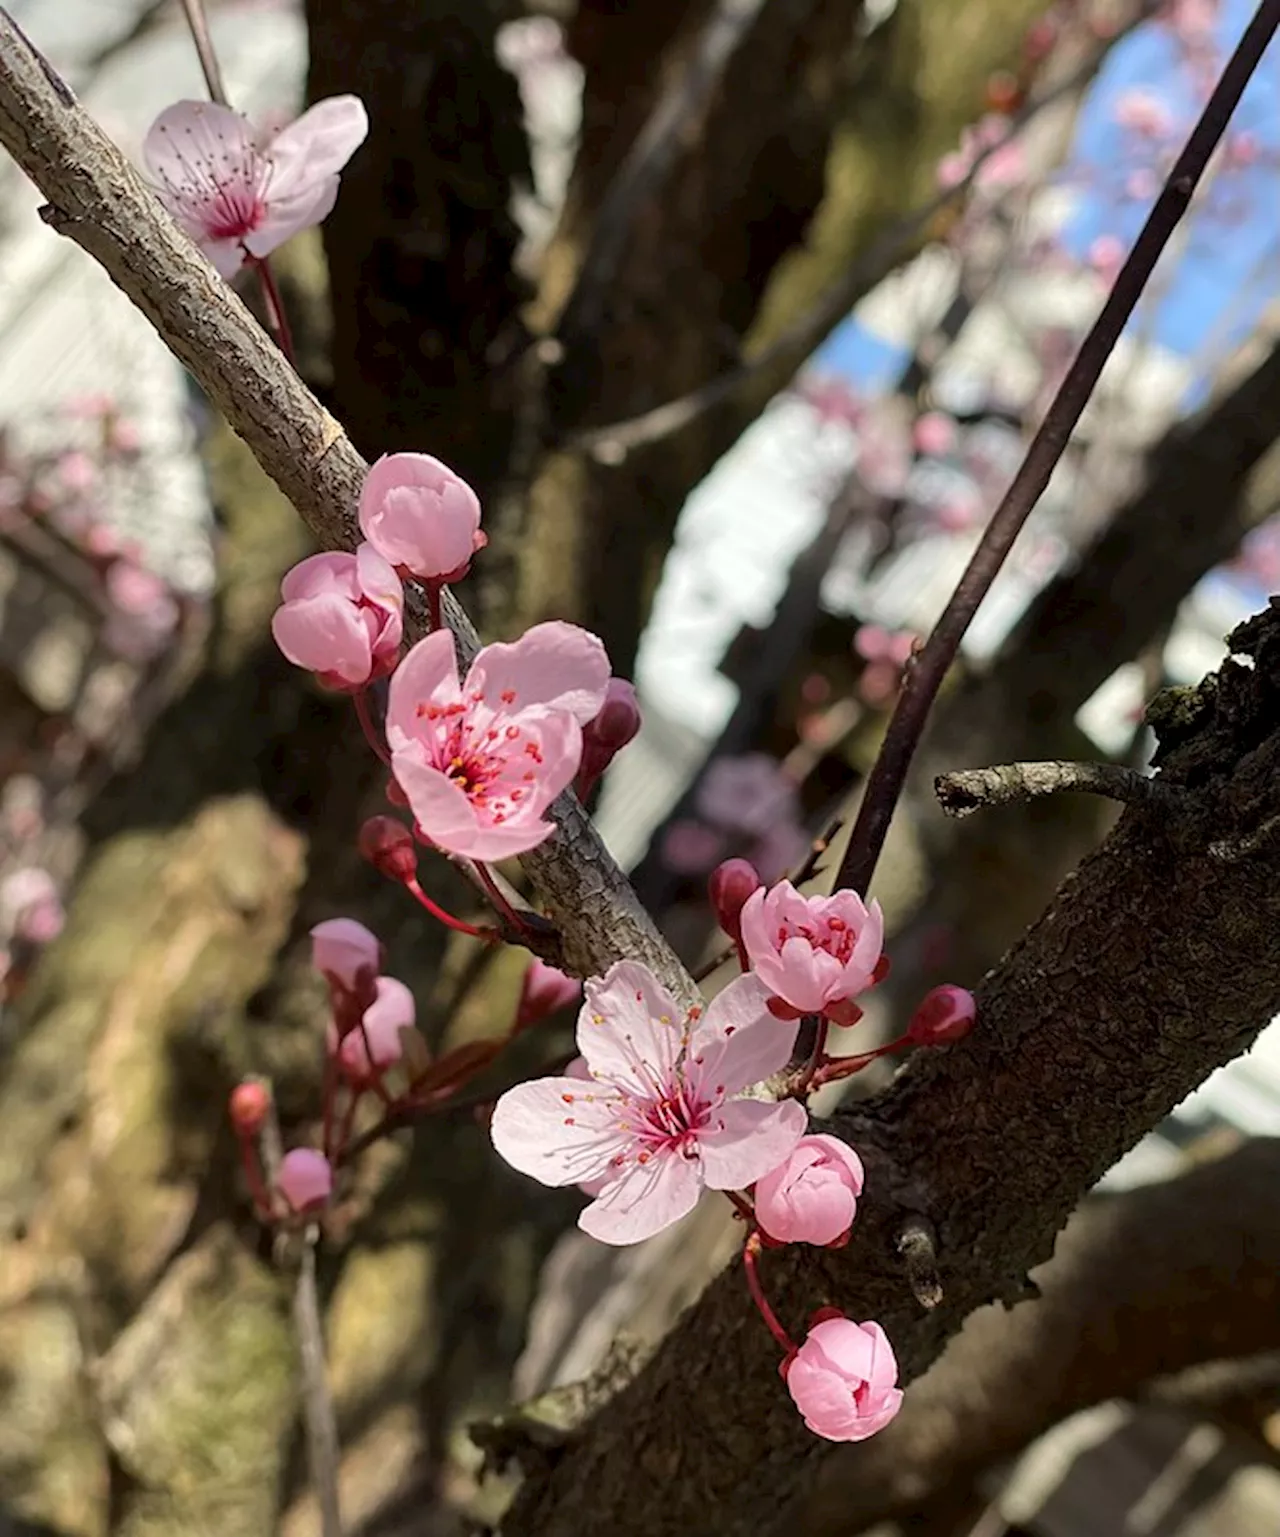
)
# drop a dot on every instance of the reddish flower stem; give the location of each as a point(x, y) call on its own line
point(253, 1176)
point(750, 1255)
point(502, 906)
point(328, 1091)
point(845, 1067)
point(371, 733)
point(744, 1208)
point(923, 680)
point(816, 1057)
point(276, 316)
point(450, 922)
point(198, 24)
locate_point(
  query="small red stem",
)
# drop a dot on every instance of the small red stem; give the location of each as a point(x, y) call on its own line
point(449, 921)
point(750, 1255)
point(502, 906)
point(744, 1207)
point(253, 1175)
point(371, 735)
point(816, 1058)
point(845, 1067)
point(276, 316)
point(328, 1090)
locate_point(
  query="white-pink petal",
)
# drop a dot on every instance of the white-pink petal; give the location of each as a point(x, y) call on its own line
point(751, 1138)
point(552, 1131)
point(428, 674)
point(553, 664)
point(630, 1030)
point(644, 1200)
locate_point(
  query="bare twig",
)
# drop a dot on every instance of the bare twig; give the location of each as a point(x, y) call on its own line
point(317, 1402)
point(212, 70)
point(967, 790)
point(889, 772)
point(98, 200)
point(649, 159)
point(794, 344)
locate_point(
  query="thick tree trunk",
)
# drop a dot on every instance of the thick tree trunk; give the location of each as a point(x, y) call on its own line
point(1154, 964)
point(1141, 1286)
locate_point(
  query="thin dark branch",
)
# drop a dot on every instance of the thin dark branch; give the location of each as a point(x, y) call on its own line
point(649, 159)
point(967, 790)
point(795, 343)
point(920, 687)
point(212, 70)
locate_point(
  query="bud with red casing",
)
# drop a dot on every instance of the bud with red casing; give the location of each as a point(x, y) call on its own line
point(945, 1015)
point(543, 990)
point(606, 735)
point(729, 885)
point(248, 1106)
point(388, 846)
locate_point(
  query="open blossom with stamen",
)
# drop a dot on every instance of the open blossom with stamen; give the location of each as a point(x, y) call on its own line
point(238, 197)
point(816, 954)
point(479, 761)
point(655, 1122)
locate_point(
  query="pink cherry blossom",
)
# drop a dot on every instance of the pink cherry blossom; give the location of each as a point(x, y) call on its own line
point(817, 953)
point(1144, 113)
point(362, 1053)
point(934, 433)
point(746, 793)
point(421, 516)
point(1106, 256)
point(813, 1196)
point(343, 950)
point(238, 197)
point(543, 990)
point(481, 760)
point(843, 1380)
point(305, 1179)
point(342, 617)
point(656, 1121)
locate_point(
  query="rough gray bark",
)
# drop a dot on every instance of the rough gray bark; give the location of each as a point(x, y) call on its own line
point(1155, 963)
point(1141, 1286)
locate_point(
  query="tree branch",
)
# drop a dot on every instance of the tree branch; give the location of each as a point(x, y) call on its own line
point(1141, 1285)
point(97, 198)
point(923, 680)
point(1152, 967)
point(967, 790)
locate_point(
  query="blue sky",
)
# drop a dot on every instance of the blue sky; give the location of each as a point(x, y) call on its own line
point(1227, 272)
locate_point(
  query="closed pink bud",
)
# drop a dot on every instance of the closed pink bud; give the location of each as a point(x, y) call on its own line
point(365, 1052)
point(343, 949)
point(944, 1015)
point(388, 846)
point(248, 1106)
point(843, 1379)
point(813, 1196)
point(421, 516)
point(543, 991)
point(342, 617)
point(305, 1179)
point(729, 885)
point(607, 734)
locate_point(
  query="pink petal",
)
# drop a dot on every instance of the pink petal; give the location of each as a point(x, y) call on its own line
point(377, 578)
point(738, 1042)
point(419, 514)
point(550, 1130)
point(343, 948)
point(196, 133)
point(850, 1348)
point(324, 635)
point(330, 572)
point(824, 1399)
point(285, 216)
point(630, 1030)
point(439, 807)
point(644, 1200)
point(322, 140)
point(552, 664)
point(752, 1137)
point(427, 675)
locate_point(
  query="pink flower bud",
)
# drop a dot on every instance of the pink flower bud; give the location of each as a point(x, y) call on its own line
point(729, 886)
point(305, 1179)
point(342, 617)
point(364, 1053)
point(843, 1379)
point(944, 1015)
point(606, 735)
point(388, 846)
point(248, 1106)
point(343, 949)
point(934, 434)
point(543, 990)
point(813, 1196)
point(421, 517)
